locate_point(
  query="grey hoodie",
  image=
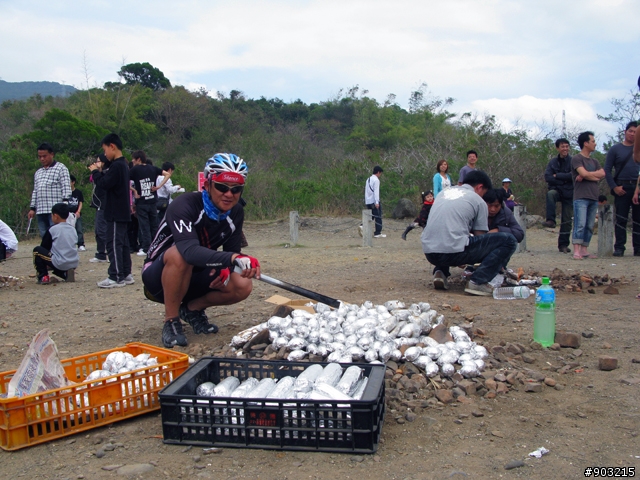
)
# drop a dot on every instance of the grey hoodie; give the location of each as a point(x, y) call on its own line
point(64, 254)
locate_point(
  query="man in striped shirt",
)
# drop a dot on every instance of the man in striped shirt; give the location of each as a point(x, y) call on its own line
point(51, 185)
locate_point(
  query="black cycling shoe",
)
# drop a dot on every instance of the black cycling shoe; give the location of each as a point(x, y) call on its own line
point(198, 320)
point(172, 333)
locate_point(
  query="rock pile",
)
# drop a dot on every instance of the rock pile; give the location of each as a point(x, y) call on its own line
point(9, 281)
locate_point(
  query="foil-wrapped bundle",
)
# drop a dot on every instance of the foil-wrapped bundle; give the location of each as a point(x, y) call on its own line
point(306, 380)
point(349, 380)
point(334, 357)
point(330, 374)
point(480, 352)
point(283, 389)
point(384, 354)
point(412, 353)
point(365, 342)
point(401, 314)
point(469, 370)
point(370, 356)
point(297, 343)
point(263, 389)
point(431, 370)
point(410, 330)
point(360, 388)
point(356, 352)
point(327, 392)
point(296, 355)
point(422, 361)
point(245, 387)
point(479, 364)
point(205, 389)
point(424, 306)
point(432, 352)
point(226, 387)
point(345, 358)
point(322, 307)
point(447, 369)
point(393, 305)
point(114, 361)
point(96, 374)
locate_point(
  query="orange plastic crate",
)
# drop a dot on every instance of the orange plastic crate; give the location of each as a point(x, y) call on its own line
point(45, 416)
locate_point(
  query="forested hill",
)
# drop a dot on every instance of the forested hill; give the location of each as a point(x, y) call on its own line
point(313, 158)
point(21, 90)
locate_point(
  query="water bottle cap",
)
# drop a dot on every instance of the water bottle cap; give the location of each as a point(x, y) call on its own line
point(545, 280)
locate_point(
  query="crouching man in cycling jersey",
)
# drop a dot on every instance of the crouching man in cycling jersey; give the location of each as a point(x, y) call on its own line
point(184, 269)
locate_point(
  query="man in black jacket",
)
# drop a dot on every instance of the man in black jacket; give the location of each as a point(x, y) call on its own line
point(558, 178)
point(113, 177)
point(622, 176)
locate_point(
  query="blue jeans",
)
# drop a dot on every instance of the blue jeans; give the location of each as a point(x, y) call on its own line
point(492, 250)
point(79, 231)
point(584, 219)
point(44, 222)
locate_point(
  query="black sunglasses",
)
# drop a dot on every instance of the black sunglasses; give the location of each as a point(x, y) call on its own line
point(222, 188)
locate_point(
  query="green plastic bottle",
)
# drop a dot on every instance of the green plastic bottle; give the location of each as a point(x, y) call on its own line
point(544, 322)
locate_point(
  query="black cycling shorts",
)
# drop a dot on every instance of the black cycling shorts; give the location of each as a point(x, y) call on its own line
point(198, 287)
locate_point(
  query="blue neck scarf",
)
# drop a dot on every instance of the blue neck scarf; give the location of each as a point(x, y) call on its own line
point(211, 210)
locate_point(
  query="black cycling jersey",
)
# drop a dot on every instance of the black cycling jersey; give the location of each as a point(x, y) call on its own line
point(196, 236)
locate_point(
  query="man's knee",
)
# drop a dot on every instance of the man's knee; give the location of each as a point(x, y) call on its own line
point(241, 288)
point(175, 261)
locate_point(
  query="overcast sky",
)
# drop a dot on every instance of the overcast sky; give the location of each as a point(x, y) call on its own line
point(523, 61)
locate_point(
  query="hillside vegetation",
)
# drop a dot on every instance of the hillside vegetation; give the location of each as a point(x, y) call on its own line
point(313, 158)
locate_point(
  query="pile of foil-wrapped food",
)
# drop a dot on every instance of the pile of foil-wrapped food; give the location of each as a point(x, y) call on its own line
point(122, 362)
point(374, 334)
point(315, 383)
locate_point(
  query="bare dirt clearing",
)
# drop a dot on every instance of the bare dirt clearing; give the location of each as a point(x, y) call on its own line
point(592, 420)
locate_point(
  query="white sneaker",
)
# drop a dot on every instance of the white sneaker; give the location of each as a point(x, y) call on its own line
point(141, 253)
point(128, 280)
point(82, 248)
point(97, 260)
point(108, 283)
point(380, 235)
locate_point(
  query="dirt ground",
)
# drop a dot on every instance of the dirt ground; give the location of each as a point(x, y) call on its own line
point(593, 421)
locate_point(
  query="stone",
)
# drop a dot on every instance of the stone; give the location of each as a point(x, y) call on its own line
point(577, 353)
point(587, 334)
point(526, 358)
point(410, 417)
point(500, 377)
point(533, 387)
point(535, 375)
point(282, 353)
point(100, 453)
point(566, 339)
point(477, 413)
point(405, 208)
point(441, 334)
point(511, 348)
point(632, 380)
point(490, 395)
point(498, 349)
point(606, 346)
point(610, 290)
point(392, 365)
point(511, 379)
point(315, 358)
point(110, 468)
point(502, 388)
point(555, 347)
point(514, 464)
point(109, 447)
point(550, 382)
point(559, 387)
point(607, 363)
point(468, 387)
point(135, 469)
point(282, 311)
point(457, 392)
point(445, 396)
point(357, 458)
point(491, 384)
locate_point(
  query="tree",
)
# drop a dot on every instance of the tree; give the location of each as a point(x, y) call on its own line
point(625, 110)
point(144, 74)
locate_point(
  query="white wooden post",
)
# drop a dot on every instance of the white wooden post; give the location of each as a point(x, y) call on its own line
point(367, 229)
point(294, 222)
point(520, 212)
point(606, 222)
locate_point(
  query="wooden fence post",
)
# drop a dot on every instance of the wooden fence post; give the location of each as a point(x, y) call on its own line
point(606, 222)
point(520, 212)
point(294, 222)
point(367, 229)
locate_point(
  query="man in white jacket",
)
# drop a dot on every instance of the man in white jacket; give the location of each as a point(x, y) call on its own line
point(372, 200)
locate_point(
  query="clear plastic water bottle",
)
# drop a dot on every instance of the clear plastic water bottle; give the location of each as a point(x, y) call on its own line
point(512, 293)
point(544, 321)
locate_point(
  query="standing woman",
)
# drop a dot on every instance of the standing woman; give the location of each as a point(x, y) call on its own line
point(441, 180)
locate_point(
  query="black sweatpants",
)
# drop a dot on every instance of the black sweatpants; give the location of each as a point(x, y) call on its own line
point(42, 262)
point(118, 250)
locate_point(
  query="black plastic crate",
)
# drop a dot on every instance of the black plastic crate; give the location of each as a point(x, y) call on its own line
point(309, 425)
